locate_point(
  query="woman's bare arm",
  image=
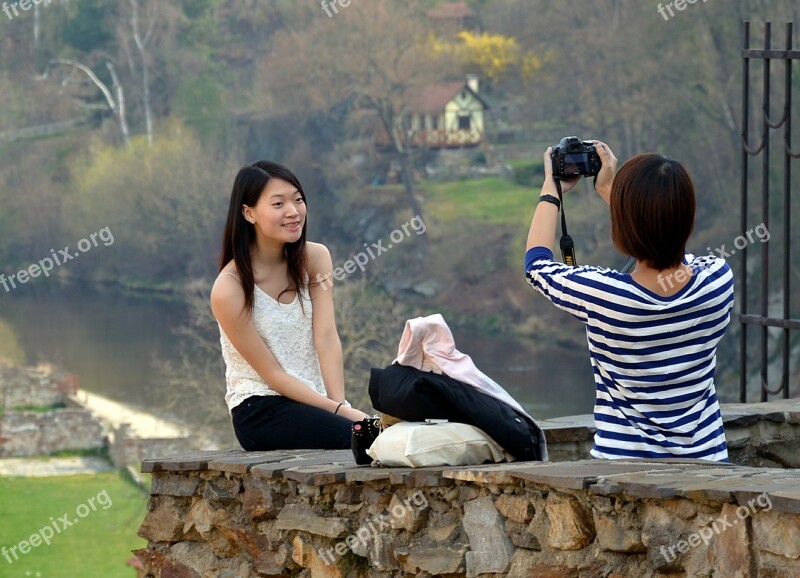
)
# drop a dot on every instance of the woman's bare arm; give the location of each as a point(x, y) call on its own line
point(326, 338)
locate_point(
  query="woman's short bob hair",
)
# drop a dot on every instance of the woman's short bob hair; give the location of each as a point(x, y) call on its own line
point(652, 210)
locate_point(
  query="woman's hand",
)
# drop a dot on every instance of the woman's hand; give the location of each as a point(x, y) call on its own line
point(605, 177)
point(352, 413)
point(566, 185)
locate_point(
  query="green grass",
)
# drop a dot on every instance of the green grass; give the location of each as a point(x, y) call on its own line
point(492, 200)
point(97, 545)
point(89, 453)
point(37, 408)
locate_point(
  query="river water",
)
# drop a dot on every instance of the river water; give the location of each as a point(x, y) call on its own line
point(112, 338)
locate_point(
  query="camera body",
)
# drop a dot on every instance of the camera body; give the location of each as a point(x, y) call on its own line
point(573, 157)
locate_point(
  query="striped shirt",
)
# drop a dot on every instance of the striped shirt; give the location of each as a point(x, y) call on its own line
point(653, 357)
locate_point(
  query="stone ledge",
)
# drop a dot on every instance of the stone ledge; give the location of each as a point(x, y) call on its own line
point(697, 480)
point(316, 514)
point(758, 434)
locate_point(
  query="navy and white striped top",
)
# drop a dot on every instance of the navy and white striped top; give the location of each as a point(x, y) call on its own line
point(653, 357)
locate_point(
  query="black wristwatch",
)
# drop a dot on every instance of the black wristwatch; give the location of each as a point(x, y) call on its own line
point(550, 199)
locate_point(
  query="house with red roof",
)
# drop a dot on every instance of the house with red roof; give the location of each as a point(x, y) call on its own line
point(449, 114)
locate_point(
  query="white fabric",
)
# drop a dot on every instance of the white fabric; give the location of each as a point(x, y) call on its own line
point(427, 344)
point(418, 444)
point(288, 333)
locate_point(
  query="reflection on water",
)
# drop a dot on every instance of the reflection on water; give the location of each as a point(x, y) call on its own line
point(111, 339)
point(546, 384)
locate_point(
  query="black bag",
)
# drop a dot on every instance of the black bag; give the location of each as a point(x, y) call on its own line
point(410, 394)
point(364, 433)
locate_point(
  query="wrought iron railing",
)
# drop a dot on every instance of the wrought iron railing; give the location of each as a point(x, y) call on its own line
point(762, 320)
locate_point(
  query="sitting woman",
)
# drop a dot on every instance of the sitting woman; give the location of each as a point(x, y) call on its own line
point(283, 357)
point(653, 333)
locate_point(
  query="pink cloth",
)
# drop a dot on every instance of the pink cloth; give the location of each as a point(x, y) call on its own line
point(428, 345)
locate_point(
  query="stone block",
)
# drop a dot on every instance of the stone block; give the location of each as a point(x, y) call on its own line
point(300, 517)
point(435, 561)
point(348, 495)
point(408, 512)
point(305, 555)
point(527, 564)
point(442, 533)
point(515, 508)
point(662, 530)
point(222, 488)
point(490, 548)
point(165, 519)
point(571, 526)
point(260, 500)
point(204, 516)
point(777, 533)
point(201, 559)
point(522, 536)
point(619, 533)
point(382, 554)
point(157, 564)
point(733, 547)
point(172, 485)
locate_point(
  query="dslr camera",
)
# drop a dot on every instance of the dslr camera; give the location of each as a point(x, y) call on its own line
point(573, 157)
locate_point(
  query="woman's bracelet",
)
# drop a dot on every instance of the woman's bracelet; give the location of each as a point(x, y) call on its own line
point(550, 199)
point(336, 411)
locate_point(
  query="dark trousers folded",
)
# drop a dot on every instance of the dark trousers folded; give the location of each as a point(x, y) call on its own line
point(275, 422)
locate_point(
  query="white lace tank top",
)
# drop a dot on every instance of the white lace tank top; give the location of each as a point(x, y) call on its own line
point(287, 331)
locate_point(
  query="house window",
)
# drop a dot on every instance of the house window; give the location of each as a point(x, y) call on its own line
point(435, 122)
point(464, 122)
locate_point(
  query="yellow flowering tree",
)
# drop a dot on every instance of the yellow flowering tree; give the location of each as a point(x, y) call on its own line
point(495, 55)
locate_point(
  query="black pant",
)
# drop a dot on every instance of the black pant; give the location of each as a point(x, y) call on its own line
point(275, 422)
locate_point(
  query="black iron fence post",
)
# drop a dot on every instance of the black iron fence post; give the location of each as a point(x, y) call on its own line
point(767, 54)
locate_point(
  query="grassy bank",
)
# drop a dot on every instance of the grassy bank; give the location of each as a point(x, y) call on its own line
point(108, 509)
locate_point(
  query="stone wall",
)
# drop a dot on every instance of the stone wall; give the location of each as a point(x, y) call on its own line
point(28, 433)
point(317, 514)
point(758, 434)
point(126, 449)
point(26, 387)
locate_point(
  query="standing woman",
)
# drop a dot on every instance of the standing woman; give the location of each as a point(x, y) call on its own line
point(283, 357)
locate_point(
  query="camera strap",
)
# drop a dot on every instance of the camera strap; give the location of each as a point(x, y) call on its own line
point(566, 243)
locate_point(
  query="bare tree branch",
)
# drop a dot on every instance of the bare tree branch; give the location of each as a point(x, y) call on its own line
point(117, 105)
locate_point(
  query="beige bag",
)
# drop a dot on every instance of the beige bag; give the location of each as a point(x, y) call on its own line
point(417, 444)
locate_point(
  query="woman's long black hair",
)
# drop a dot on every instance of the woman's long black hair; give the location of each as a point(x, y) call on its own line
point(240, 235)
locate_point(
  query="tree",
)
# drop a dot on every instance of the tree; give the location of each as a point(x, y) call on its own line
point(496, 56)
point(374, 58)
point(114, 97)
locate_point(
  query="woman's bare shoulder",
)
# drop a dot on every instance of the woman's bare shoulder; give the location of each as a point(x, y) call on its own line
point(227, 287)
point(318, 257)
